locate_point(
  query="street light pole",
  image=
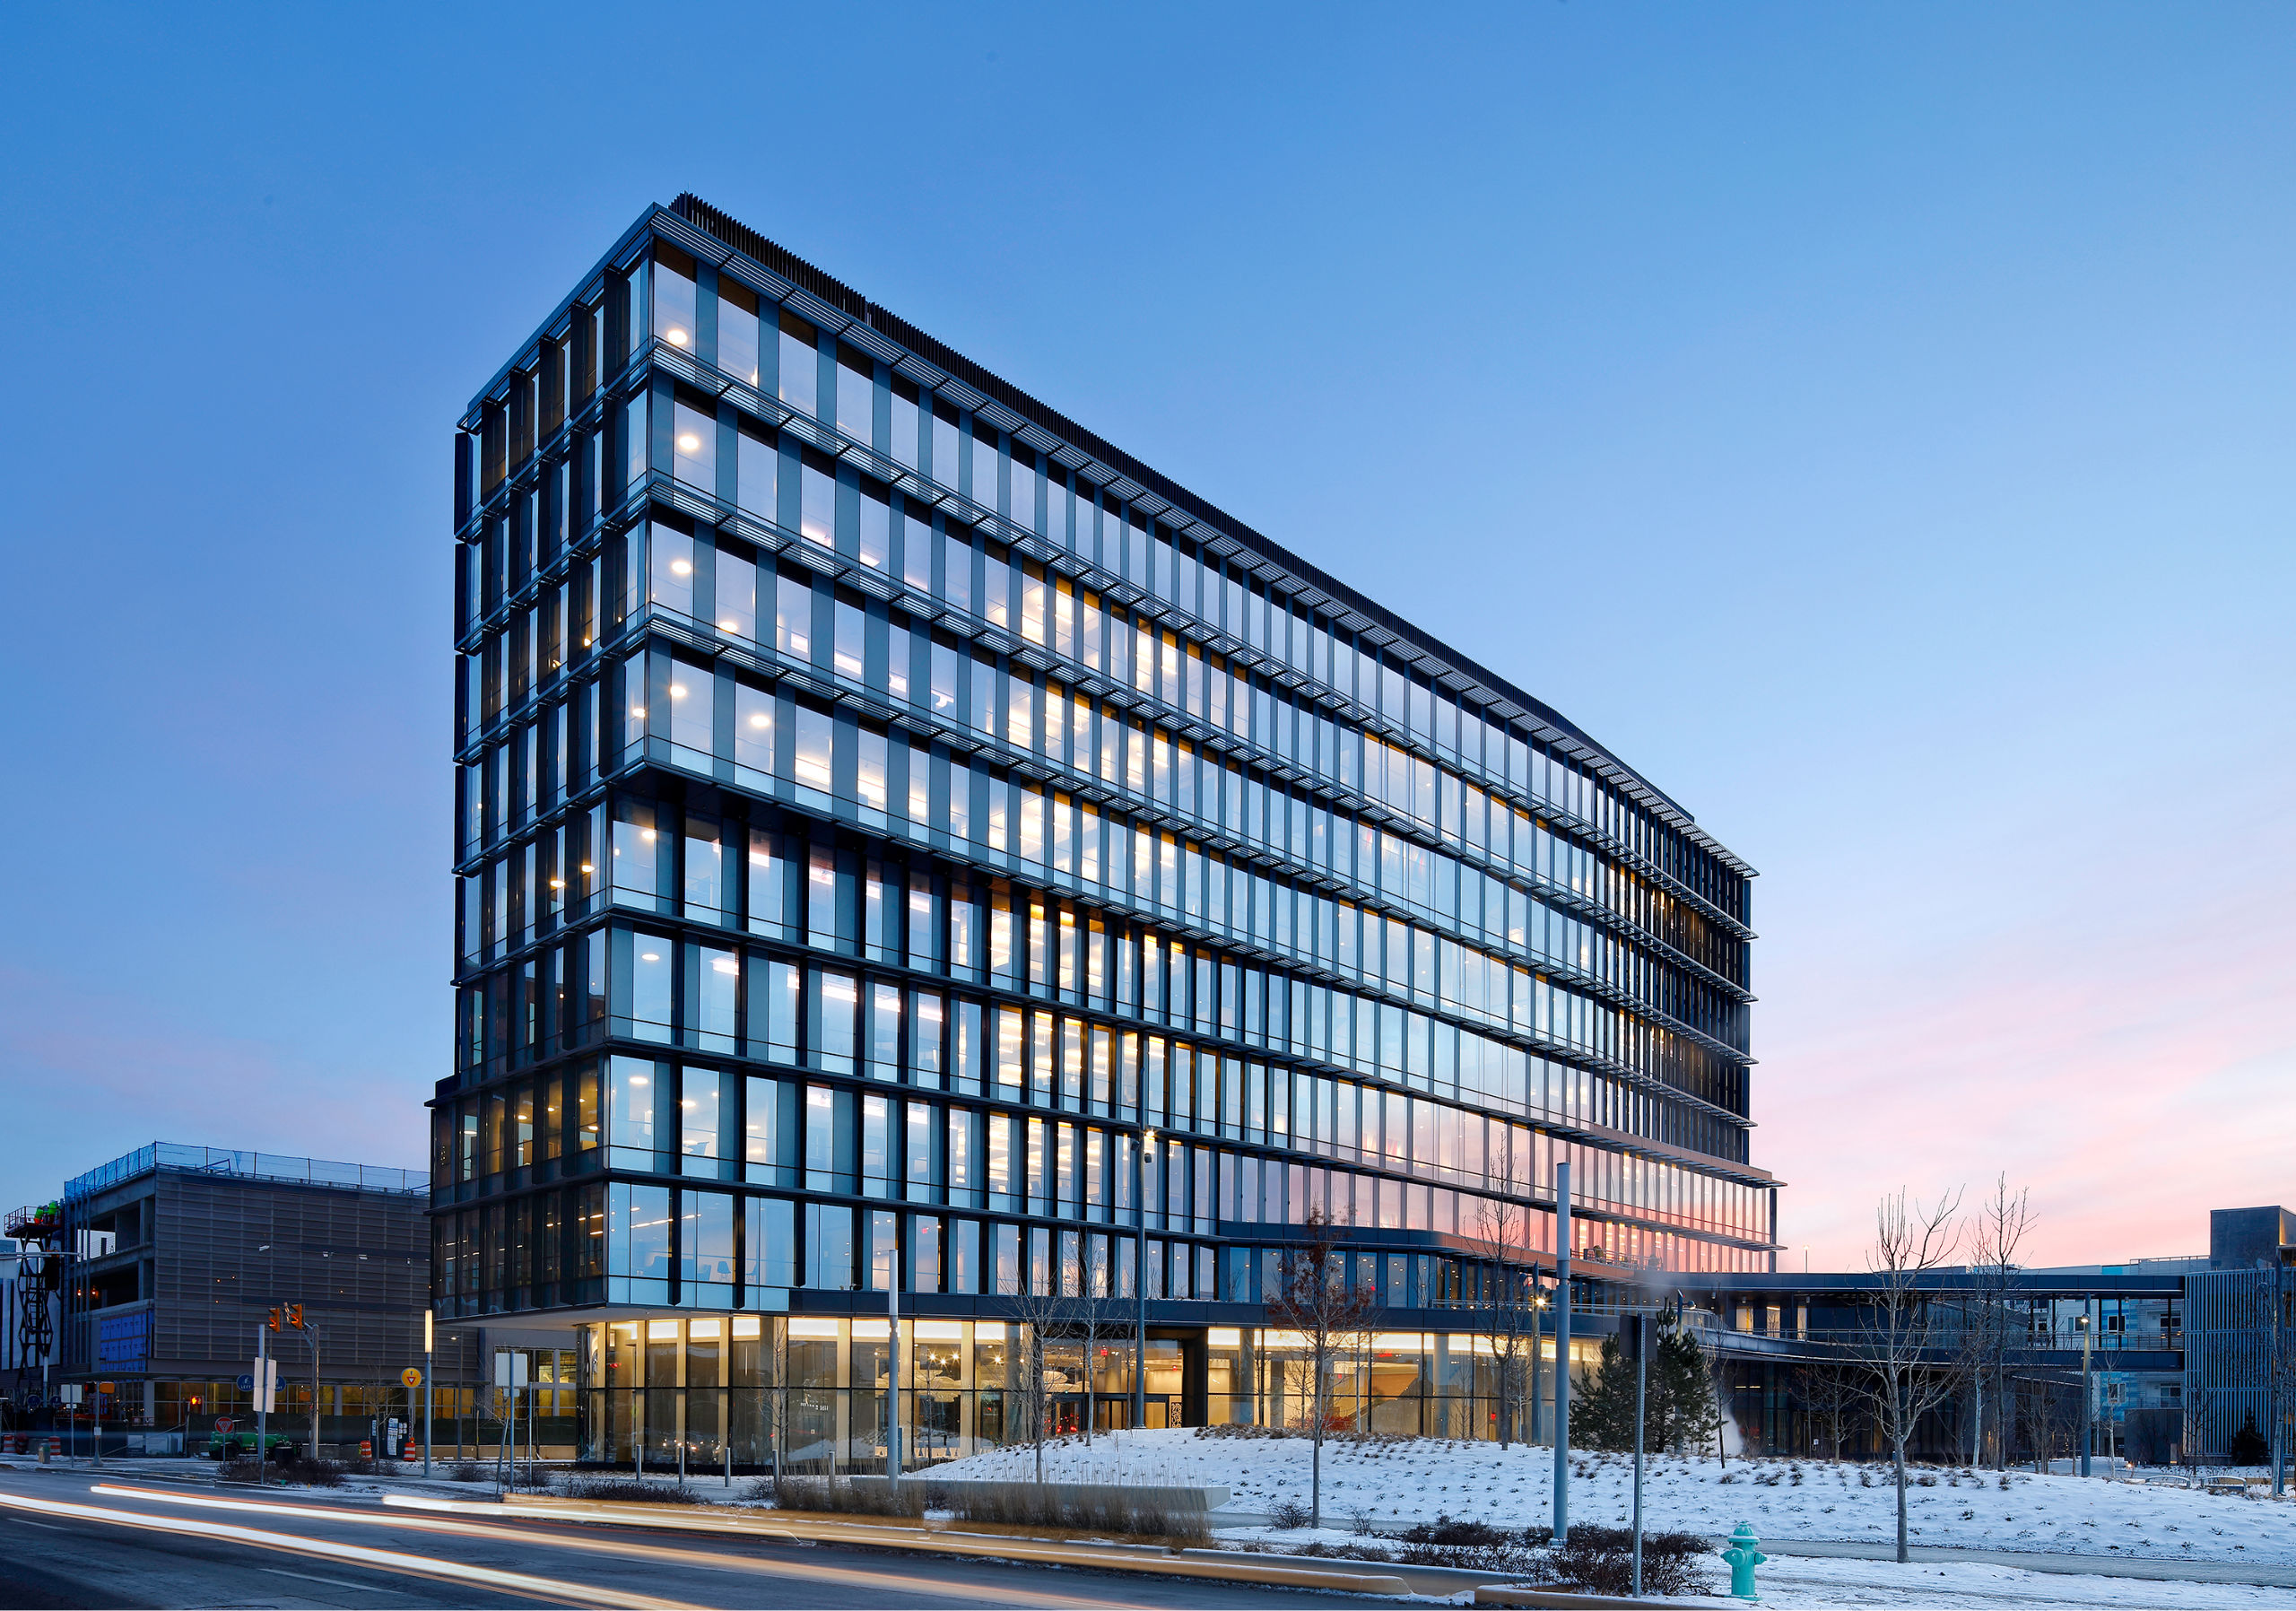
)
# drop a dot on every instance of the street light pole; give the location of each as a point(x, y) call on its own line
point(1140, 1283)
point(430, 1323)
point(892, 1359)
point(2087, 1394)
point(1562, 1352)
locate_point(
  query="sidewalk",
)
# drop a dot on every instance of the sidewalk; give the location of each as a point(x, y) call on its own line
point(2262, 1575)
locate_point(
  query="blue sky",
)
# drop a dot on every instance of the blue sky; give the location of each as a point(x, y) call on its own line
point(1872, 423)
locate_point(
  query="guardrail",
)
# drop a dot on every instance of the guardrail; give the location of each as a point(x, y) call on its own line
point(250, 1165)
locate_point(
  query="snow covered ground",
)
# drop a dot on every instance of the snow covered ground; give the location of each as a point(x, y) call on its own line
point(1407, 1480)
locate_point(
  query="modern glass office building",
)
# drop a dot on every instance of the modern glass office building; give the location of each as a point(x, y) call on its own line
point(902, 837)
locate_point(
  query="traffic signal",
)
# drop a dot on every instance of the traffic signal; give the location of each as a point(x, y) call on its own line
point(273, 1321)
point(295, 1316)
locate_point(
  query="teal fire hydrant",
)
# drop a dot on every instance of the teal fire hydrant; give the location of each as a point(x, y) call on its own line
point(1743, 1554)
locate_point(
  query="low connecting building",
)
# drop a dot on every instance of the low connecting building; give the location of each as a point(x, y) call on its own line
point(2178, 1354)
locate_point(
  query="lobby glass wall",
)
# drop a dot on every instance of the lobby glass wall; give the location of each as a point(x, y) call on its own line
point(654, 1389)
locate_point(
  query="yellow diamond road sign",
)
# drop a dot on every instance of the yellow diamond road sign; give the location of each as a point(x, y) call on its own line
point(411, 1376)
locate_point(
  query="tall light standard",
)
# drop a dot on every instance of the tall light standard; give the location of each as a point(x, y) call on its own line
point(1562, 1352)
point(892, 1360)
point(1140, 1283)
point(2081, 1323)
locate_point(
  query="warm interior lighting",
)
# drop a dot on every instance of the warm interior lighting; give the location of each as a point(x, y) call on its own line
point(677, 691)
point(681, 568)
point(690, 442)
point(760, 720)
point(586, 867)
point(637, 1079)
point(675, 336)
point(727, 626)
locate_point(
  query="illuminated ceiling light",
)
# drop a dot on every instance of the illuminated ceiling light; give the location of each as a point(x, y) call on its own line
point(649, 956)
point(677, 338)
point(647, 834)
point(690, 442)
point(637, 1079)
point(681, 568)
point(728, 626)
point(760, 720)
point(677, 691)
point(585, 867)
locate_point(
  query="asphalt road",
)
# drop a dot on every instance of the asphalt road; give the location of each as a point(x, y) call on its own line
point(66, 1541)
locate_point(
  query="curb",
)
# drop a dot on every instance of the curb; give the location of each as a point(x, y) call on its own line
point(1503, 1594)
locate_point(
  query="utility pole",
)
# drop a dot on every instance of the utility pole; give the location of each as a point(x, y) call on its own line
point(1140, 1283)
point(1562, 1352)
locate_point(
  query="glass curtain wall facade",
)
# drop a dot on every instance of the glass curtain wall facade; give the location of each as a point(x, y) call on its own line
point(901, 838)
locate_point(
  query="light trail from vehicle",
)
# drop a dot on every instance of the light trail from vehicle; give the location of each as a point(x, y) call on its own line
point(354, 1554)
point(415, 1516)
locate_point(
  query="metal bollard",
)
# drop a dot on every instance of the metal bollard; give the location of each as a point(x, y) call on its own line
point(1743, 1555)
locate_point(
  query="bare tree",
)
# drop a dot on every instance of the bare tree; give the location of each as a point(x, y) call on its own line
point(2046, 1415)
point(2279, 1339)
point(776, 1397)
point(1093, 1308)
point(1829, 1391)
point(1992, 1334)
point(1899, 1325)
point(1332, 1316)
point(1510, 1312)
point(1040, 1315)
point(2192, 1430)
